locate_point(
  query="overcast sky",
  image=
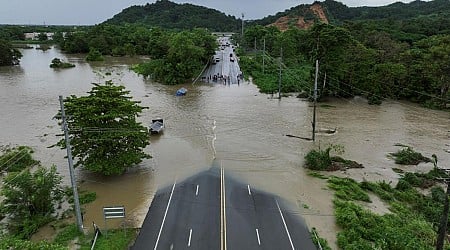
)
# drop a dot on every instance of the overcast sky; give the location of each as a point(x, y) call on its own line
point(79, 12)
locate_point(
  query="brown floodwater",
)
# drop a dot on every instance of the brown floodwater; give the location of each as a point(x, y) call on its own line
point(235, 126)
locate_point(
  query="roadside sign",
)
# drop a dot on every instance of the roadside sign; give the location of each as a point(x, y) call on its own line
point(114, 212)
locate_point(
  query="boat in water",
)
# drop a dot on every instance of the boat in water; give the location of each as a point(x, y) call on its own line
point(181, 92)
point(157, 126)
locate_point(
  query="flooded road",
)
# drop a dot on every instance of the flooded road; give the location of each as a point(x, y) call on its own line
point(234, 125)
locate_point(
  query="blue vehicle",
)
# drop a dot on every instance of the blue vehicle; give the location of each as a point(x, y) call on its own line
point(181, 92)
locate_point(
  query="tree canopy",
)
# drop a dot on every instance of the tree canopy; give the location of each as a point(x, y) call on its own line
point(104, 133)
point(170, 15)
point(178, 57)
point(8, 55)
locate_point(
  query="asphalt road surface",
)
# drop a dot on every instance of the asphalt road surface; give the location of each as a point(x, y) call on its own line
point(212, 211)
point(224, 63)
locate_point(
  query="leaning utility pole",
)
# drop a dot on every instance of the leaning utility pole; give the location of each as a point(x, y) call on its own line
point(69, 158)
point(315, 102)
point(279, 77)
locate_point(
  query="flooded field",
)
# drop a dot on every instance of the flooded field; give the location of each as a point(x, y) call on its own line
point(234, 125)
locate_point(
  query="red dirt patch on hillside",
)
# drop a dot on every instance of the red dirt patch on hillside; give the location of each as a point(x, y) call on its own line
point(284, 22)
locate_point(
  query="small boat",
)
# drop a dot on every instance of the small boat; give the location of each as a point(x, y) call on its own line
point(181, 92)
point(157, 126)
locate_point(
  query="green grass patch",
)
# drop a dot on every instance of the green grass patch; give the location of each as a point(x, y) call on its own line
point(348, 189)
point(411, 223)
point(382, 189)
point(407, 156)
point(317, 175)
point(67, 234)
point(363, 229)
point(116, 239)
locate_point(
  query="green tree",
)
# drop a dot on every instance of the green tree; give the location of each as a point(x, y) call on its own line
point(105, 135)
point(42, 37)
point(8, 55)
point(30, 199)
point(94, 55)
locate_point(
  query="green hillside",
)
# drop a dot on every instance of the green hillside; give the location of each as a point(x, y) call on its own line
point(166, 14)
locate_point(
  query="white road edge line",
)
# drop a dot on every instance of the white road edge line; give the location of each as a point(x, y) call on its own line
point(190, 236)
point(196, 191)
point(285, 226)
point(221, 207)
point(224, 213)
point(248, 187)
point(165, 214)
point(257, 235)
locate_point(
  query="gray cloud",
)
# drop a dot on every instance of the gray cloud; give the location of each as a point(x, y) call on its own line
point(96, 11)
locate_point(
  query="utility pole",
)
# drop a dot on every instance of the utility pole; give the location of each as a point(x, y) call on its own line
point(264, 52)
point(279, 77)
point(70, 160)
point(443, 224)
point(315, 102)
point(242, 27)
point(255, 43)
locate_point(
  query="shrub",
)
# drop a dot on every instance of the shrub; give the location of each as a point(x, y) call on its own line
point(318, 159)
point(407, 156)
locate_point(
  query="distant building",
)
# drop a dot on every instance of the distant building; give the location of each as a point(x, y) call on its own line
point(35, 35)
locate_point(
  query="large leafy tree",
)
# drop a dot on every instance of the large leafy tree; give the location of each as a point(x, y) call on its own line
point(104, 133)
point(8, 55)
point(30, 199)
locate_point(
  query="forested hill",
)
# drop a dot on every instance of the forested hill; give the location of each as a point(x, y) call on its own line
point(166, 14)
point(428, 14)
point(396, 11)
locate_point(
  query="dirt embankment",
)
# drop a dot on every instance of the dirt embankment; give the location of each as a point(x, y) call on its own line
point(283, 23)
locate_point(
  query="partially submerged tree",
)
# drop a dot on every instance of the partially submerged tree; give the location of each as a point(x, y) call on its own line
point(8, 55)
point(104, 133)
point(30, 199)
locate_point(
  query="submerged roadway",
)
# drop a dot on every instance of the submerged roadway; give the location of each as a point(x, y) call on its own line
point(212, 211)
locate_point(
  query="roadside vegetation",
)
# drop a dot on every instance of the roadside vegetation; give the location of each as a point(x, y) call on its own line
point(356, 59)
point(178, 57)
point(32, 199)
point(415, 208)
point(322, 160)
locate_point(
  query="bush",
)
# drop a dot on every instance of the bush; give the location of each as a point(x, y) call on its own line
point(407, 156)
point(318, 159)
point(57, 63)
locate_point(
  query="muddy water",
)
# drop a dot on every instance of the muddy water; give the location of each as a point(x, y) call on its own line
point(234, 126)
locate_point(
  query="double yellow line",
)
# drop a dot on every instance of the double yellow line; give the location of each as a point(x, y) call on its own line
point(223, 216)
